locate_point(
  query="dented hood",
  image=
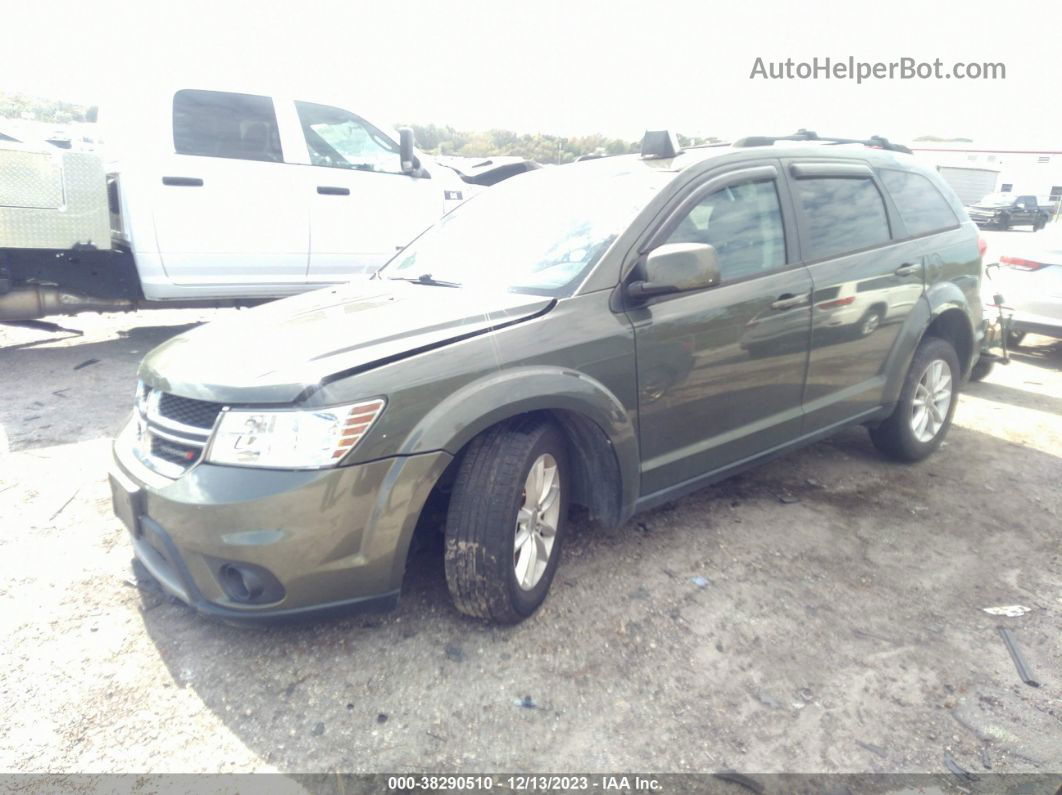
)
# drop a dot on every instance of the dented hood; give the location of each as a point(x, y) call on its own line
point(277, 352)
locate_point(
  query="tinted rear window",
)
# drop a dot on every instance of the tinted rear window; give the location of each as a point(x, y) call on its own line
point(922, 207)
point(221, 124)
point(843, 214)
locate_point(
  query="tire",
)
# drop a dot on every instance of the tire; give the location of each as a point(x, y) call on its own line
point(1014, 338)
point(486, 516)
point(981, 370)
point(1003, 222)
point(897, 436)
point(1039, 224)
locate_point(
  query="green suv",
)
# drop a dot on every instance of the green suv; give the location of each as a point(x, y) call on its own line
point(612, 334)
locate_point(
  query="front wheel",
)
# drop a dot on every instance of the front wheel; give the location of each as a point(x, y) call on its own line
point(927, 402)
point(981, 370)
point(507, 520)
point(1003, 222)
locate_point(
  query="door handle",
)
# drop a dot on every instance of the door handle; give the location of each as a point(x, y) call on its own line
point(908, 268)
point(790, 301)
point(332, 190)
point(187, 182)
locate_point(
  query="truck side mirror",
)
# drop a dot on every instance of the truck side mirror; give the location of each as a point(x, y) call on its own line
point(676, 268)
point(410, 161)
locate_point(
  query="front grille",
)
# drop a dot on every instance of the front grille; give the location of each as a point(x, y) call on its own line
point(198, 413)
point(173, 431)
point(181, 454)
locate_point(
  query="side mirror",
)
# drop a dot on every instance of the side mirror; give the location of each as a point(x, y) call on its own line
point(676, 268)
point(410, 161)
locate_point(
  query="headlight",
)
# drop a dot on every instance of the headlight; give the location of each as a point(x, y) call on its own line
point(290, 439)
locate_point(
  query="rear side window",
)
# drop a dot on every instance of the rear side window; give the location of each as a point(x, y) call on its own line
point(221, 124)
point(922, 207)
point(843, 214)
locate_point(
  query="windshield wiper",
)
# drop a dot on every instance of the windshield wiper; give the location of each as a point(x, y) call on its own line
point(424, 278)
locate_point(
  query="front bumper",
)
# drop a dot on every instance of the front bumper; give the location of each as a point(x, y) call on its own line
point(333, 539)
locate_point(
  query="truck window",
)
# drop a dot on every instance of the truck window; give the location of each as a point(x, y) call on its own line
point(336, 138)
point(843, 214)
point(221, 124)
point(922, 207)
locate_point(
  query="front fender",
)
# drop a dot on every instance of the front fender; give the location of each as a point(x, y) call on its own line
point(478, 405)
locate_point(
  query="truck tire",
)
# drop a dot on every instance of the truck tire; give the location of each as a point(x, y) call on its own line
point(508, 512)
point(1003, 222)
point(1039, 223)
point(927, 402)
point(1014, 338)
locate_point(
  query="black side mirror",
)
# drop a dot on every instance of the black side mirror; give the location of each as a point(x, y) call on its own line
point(676, 268)
point(410, 161)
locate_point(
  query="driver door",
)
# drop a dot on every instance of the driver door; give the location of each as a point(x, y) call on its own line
point(721, 370)
point(363, 207)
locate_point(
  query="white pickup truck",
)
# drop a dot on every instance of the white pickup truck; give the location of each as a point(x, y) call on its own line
point(221, 197)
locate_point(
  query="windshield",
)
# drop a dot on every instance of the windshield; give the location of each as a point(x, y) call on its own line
point(538, 233)
point(997, 200)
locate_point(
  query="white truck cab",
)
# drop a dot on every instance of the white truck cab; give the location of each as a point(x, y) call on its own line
point(231, 194)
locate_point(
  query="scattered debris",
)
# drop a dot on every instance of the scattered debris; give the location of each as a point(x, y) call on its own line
point(382, 717)
point(454, 652)
point(317, 730)
point(643, 527)
point(787, 499)
point(526, 702)
point(813, 483)
point(874, 749)
point(1019, 661)
point(768, 701)
point(958, 771)
point(1010, 611)
point(86, 363)
point(63, 506)
point(700, 582)
point(986, 760)
point(740, 779)
point(61, 393)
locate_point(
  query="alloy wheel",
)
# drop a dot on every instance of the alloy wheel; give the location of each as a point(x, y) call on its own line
point(932, 399)
point(536, 522)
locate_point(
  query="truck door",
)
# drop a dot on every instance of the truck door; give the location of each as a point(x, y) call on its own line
point(363, 207)
point(230, 217)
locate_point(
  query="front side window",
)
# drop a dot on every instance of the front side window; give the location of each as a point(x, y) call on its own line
point(223, 124)
point(922, 207)
point(336, 138)
point(843, 214)
point(743, 223)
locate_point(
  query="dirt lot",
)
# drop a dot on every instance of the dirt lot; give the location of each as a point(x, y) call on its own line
point(823, 613)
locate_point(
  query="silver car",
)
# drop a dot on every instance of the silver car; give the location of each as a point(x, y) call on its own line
point(1030, 279)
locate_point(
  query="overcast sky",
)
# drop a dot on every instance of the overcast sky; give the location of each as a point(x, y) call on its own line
point(567, 68)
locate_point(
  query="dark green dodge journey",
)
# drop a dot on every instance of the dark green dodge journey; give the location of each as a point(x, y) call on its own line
point(612, 334)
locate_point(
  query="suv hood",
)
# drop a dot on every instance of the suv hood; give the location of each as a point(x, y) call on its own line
point(273, 353)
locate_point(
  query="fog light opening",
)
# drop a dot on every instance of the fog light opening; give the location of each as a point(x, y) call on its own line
point(242, 585)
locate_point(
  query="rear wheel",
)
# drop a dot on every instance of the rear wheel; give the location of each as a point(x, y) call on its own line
point(507, 520)
point(1014, 338)
point(870, 322)
point(927, 401)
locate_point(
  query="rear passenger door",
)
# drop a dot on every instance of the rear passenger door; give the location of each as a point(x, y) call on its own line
point(721, 370)
point(866, 283)
point(230, 215)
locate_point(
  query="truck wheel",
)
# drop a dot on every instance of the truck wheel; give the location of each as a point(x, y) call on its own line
point(1014, 338)
point(981, 370)
point(1003, 222)
point(1039, 224)
point(927, 402)
point(507, 520)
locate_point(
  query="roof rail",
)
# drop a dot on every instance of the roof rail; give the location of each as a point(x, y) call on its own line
point(875, 141)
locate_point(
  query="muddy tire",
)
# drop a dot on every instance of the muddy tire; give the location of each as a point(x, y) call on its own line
point(507, 519)
point(927, 402)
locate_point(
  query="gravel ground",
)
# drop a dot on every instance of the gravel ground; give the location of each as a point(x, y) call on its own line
point(823, 613)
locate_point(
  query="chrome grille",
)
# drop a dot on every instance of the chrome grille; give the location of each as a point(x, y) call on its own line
point(172, 431)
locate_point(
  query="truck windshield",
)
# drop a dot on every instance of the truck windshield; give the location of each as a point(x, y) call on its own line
point(538, 233)
point(997, 200)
